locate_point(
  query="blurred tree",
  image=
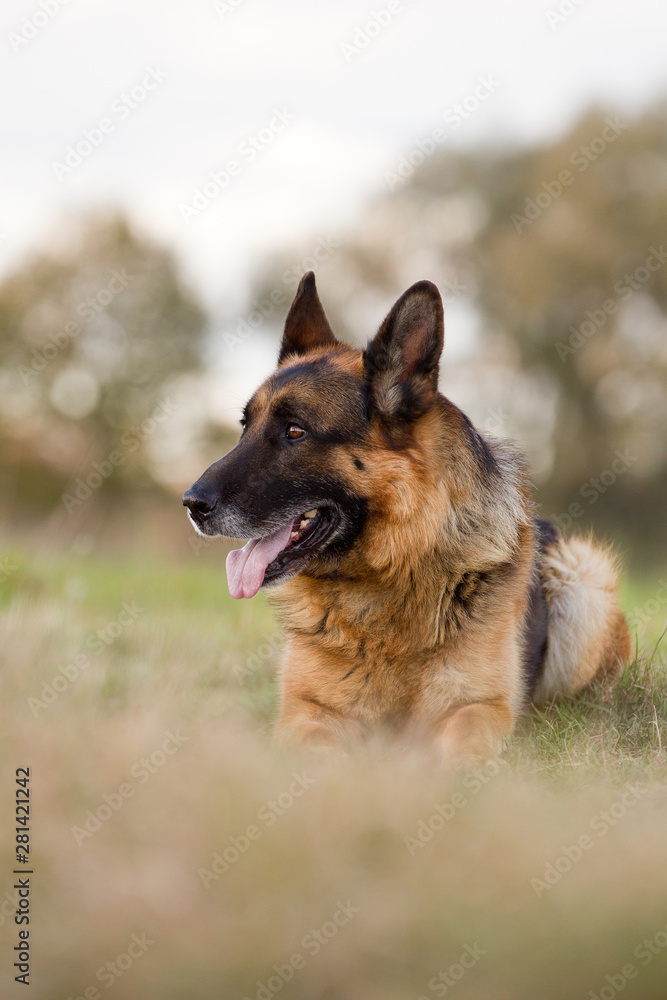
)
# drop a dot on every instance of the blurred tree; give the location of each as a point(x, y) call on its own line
point(552, 260)
point(90, 336)
point(573, 269)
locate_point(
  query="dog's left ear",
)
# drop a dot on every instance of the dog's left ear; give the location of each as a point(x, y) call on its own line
point(401, 361)
point(306, 326)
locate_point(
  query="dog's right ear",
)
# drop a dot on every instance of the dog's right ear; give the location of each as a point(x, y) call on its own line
point(306, 326)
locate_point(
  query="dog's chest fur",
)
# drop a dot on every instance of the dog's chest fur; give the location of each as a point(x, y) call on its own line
point(376, 650)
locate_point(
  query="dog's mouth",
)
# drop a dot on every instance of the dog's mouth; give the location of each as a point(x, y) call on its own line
point(284, 552)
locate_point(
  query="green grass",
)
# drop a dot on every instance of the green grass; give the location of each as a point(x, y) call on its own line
point(433, 861)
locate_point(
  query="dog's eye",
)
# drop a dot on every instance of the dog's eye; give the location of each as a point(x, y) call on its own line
point(294, 432)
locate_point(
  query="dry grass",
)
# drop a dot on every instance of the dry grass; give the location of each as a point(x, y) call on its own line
point(335, 849)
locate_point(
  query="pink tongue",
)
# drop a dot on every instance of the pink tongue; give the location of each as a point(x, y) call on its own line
point(246, 567)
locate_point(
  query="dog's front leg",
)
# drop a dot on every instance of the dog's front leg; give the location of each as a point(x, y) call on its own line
point(306, 722)
point(474, 733)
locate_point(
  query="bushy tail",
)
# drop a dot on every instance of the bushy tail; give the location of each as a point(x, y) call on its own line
point(588, 638)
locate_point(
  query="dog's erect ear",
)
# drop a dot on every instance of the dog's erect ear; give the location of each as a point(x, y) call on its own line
point(306, 326)
point(401, 361)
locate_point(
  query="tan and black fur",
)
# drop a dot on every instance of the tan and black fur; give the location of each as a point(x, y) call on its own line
point(434, 603)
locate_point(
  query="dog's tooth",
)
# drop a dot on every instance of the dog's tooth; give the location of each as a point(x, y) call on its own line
point(304, 524)
point(294, 534)
point(310, 513)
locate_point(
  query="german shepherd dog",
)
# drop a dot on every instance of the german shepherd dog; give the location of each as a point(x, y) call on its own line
point(416, 585)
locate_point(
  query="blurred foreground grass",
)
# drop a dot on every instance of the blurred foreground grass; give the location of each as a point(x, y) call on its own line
point(140, 695)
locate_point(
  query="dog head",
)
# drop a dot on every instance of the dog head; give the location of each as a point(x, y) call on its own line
point(300, 482)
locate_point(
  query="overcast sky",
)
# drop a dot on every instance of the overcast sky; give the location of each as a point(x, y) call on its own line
point(313, 101)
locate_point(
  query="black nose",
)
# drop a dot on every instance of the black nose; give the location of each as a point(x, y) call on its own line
point(198, 502)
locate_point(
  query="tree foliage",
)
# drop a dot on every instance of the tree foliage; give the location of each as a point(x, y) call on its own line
point(90, 336)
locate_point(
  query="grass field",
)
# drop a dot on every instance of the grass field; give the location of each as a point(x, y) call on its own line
point(177, 856)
